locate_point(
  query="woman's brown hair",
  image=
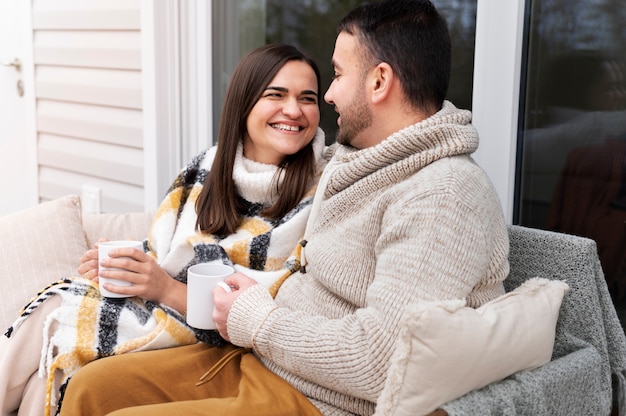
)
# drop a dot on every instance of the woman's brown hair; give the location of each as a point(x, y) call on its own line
point(219, 207)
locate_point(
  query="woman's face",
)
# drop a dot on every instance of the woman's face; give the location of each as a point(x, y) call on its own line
point(285, 118)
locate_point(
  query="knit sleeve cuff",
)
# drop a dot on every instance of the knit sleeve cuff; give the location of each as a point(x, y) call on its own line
point(247, 315)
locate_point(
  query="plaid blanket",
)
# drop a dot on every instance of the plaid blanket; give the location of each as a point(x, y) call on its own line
point(90, 326)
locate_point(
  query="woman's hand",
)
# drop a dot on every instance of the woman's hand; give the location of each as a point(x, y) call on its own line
point(89, 263)
point(224, 300)
point(149, 281)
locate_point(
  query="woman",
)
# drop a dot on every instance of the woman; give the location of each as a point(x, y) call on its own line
point(244, 202)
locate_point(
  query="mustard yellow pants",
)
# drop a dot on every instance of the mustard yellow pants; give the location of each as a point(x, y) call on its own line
point(170, 382)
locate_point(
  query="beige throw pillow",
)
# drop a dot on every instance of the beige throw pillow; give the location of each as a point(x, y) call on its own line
point(446, 349)
point(37, 246)
point(131, 226)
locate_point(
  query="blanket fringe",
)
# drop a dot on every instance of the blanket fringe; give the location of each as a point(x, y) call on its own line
point(46, 349)
point(45, 293)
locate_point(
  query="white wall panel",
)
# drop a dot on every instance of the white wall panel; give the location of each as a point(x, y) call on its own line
point(119, 163)
point(91, 14)
point(99, 49)
point(116, 196)
point(88, 86)
point(106, 124)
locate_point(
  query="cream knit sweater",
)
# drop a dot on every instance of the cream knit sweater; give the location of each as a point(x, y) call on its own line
point(412, 218)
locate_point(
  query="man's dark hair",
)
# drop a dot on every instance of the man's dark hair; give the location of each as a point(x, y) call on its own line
point(412, 37)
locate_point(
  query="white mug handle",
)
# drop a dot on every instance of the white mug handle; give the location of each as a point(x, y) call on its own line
point(224, 286)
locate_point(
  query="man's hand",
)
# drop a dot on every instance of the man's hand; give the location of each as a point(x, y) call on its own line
point(224, 300)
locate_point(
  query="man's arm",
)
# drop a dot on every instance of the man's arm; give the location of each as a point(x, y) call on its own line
point(424, 251)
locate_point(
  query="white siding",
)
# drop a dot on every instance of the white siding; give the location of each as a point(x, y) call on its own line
point(88, 87)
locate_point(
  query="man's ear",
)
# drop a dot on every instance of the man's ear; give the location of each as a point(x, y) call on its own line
point(382, 81)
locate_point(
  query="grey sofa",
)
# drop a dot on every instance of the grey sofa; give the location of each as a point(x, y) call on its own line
point(587, 373)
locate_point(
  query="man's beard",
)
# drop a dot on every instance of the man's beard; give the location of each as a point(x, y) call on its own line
point(356, 117)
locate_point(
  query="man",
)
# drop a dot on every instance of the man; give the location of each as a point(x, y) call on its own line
point(402, 214)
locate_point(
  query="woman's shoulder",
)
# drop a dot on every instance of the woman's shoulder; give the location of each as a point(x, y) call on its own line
point(202, 160)
point(196, 169)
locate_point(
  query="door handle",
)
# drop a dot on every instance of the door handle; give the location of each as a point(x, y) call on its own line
point(16, 63)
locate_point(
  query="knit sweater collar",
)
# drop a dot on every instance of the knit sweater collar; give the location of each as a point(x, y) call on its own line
point(258, 182)
point(254, 179)
point(447, 133)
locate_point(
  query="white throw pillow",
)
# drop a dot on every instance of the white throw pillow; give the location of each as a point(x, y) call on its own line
point(446, 349)
point(38, 245)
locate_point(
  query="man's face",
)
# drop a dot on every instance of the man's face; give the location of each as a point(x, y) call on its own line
point(347, 92)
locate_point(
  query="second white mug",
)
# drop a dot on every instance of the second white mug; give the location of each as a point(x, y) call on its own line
point(201, 279)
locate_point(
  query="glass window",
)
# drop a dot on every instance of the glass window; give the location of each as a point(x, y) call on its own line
point(572, 171)
point(311, 25)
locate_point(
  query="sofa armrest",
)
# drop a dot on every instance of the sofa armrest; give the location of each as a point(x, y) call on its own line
point(131, 226)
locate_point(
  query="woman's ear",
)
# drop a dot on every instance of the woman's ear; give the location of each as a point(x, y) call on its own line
point(382, 81)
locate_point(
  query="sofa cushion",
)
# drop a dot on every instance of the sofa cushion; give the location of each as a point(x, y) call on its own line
point(37, 246)
point(446, 349)
point(130, 226)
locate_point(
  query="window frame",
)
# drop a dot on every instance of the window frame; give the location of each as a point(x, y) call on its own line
point(496, 95)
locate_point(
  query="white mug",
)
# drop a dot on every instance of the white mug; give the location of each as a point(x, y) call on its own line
point(201, 279)
point(103, 252)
